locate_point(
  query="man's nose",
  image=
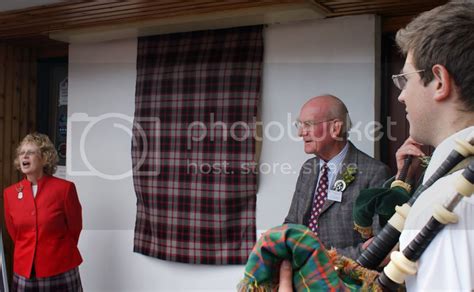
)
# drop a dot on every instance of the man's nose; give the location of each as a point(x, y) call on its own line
point(301, 131)
point(401, 96)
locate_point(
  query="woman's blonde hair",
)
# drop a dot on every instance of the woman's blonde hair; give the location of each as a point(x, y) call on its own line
point(47, 152)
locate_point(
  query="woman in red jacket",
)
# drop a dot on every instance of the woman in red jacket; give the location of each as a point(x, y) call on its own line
point(43, 218)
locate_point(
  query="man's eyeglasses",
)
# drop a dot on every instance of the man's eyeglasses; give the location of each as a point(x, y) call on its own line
point(308, 124)
point(400, 80)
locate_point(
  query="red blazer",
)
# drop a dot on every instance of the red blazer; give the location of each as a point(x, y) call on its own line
point(45, 230)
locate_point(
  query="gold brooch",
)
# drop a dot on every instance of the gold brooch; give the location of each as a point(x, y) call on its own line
point(19, 189)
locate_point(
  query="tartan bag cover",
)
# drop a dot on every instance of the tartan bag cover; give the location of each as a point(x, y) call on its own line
point(313, 268)
point(193, 146)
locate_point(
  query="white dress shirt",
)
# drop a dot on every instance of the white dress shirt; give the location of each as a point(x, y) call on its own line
point(448, 262)
point(334, 166)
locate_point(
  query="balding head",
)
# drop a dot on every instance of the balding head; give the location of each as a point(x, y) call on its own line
point(323, 124)
point(328, 106)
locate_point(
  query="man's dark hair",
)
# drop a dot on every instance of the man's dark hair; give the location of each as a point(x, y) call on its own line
point(445, 36)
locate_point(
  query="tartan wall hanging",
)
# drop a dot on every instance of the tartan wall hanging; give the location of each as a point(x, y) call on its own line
point(193, 146)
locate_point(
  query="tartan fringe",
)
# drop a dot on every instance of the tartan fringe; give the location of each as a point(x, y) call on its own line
point(365, 232)
point(347, 267)
point(246, 286)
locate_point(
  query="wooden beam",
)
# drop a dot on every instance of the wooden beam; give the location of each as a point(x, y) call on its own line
point(121, 13)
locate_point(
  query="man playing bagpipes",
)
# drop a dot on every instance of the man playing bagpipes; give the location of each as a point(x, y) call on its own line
point(437, 223)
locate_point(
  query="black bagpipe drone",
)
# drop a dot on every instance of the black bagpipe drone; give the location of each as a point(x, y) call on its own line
point(388, 237)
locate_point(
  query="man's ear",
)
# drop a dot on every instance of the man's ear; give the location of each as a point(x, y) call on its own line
point(443, 81)
point(336, 129)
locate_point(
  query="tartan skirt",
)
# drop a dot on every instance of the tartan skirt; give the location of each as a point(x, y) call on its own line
point(69, 281)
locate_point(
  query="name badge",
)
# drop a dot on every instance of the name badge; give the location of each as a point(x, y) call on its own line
point(335, 196)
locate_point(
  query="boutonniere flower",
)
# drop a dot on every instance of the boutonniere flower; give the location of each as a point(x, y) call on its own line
point(348, 176)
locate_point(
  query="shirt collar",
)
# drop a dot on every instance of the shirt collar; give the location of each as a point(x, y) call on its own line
point(444, 148)
point(40, 182)
point(335, 162)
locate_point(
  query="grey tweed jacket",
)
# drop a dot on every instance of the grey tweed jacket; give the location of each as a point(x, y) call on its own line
point(336, 226)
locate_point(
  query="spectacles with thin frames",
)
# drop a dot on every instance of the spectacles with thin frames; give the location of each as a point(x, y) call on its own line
point(308, 124)
point(28, 153)
point(400, 80)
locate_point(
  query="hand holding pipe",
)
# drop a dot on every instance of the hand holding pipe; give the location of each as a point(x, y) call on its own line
point(388, 237)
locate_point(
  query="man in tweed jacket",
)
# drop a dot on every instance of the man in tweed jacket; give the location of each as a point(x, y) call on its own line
point(323, 124)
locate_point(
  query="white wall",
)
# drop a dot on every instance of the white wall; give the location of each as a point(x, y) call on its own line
point(301, 60)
